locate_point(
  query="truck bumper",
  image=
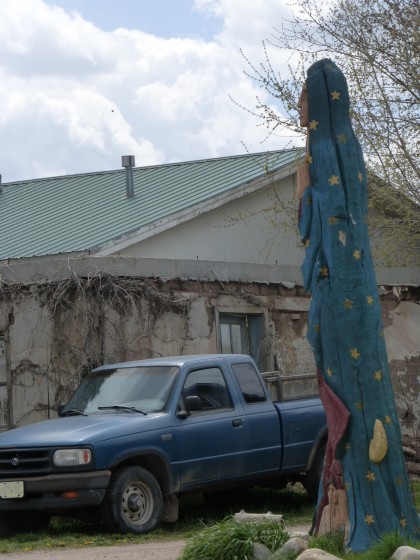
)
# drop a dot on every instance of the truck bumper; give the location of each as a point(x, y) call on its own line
point(57, 492)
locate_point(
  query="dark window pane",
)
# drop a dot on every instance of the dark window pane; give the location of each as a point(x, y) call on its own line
point(208, 384)
point(249, 382)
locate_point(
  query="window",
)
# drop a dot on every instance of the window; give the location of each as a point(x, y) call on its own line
point(234, 335)
point(4, 400)
point(249, 382)
point(242, 334)
point(210, 387)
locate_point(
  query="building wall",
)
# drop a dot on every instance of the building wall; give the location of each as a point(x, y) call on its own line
point(52, 344)
point(260, 228)
point(59, 325)
point(257, 228)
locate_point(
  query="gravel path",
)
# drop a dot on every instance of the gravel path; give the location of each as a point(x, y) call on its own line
point(158, 550)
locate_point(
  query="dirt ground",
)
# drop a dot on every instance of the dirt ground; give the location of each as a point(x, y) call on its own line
point(157, 550)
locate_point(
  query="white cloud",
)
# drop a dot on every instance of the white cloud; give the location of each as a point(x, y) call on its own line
point(75, 98)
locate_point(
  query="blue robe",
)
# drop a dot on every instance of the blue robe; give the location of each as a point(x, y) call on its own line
point(345, 325)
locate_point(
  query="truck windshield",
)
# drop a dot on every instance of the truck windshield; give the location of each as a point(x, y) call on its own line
point(139, 389)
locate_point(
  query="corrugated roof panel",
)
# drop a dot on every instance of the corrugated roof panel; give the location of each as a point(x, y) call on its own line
point(79, 212)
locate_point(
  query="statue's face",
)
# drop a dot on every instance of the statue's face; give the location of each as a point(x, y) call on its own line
point(303, 108)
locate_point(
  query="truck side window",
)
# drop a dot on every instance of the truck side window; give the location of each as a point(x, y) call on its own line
point(209, 385)
point(249, 382)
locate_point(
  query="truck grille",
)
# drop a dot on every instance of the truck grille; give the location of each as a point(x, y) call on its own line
point(28, 462)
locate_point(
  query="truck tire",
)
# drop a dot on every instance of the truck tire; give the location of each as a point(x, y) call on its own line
point(313, 476)
point(133, 502)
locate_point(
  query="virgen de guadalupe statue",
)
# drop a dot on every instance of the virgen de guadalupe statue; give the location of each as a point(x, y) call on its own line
point(365, 491)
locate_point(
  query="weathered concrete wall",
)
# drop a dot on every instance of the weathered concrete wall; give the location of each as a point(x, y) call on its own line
point(61, 319)
point(58, 332)
point(402, 332)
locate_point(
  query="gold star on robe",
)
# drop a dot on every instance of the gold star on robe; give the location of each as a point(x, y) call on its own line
point(335, 95)
point(403, 523)
point(354, 352)
point(342, 237)
point(308, 158)
point(329, 372)
point(317, 329)
point(356, 254)
point(333, 180)
point(347, 446)
point(324, 271)
point(360, 176)
point(332, 220)
point(348, 304)
point(378, 375)
point(306, 243)
point(370, 476)
point(369, 300)
point(359, 406)
point(387, 419)
point(369, 519)
point(342, 138)
point(313, 124)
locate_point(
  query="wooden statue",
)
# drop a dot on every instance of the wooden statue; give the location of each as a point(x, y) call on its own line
point(365, 488)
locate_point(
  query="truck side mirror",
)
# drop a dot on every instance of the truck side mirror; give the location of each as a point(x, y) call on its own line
point(192, 404)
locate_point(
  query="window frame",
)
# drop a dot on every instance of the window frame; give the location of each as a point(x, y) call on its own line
point(209, 410)
point(252, 314)
point(258, 380)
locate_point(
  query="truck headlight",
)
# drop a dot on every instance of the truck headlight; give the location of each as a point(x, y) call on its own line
point(71, 457)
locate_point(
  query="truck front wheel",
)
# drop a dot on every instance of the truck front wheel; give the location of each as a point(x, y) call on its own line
point(133, 502)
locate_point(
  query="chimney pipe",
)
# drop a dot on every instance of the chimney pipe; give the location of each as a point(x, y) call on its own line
point(128, 162)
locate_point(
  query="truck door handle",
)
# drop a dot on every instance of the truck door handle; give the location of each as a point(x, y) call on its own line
point(236, 423)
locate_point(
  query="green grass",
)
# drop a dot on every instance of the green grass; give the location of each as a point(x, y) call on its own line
point(333, 544)
point(383, 550)
point(195, 514)
point(229, 540)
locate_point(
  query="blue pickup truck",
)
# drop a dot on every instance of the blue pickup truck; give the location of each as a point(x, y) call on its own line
point(136, 435)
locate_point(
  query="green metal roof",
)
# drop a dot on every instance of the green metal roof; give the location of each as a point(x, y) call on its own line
point(76, 213)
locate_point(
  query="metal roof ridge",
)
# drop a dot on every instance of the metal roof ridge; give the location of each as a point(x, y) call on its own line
point(161, 165)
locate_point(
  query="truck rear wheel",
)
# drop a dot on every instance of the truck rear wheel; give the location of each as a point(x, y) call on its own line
point(313, 476)
point(133, 502)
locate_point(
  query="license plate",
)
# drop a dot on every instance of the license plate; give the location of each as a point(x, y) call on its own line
point(12, 489)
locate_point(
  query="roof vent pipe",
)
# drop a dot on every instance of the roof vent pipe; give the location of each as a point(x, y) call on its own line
point(128, 162)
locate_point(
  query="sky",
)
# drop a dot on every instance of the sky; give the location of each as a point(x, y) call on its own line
point(83, 82)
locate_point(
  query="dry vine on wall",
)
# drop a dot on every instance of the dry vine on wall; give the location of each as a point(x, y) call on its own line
point(91, 320)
